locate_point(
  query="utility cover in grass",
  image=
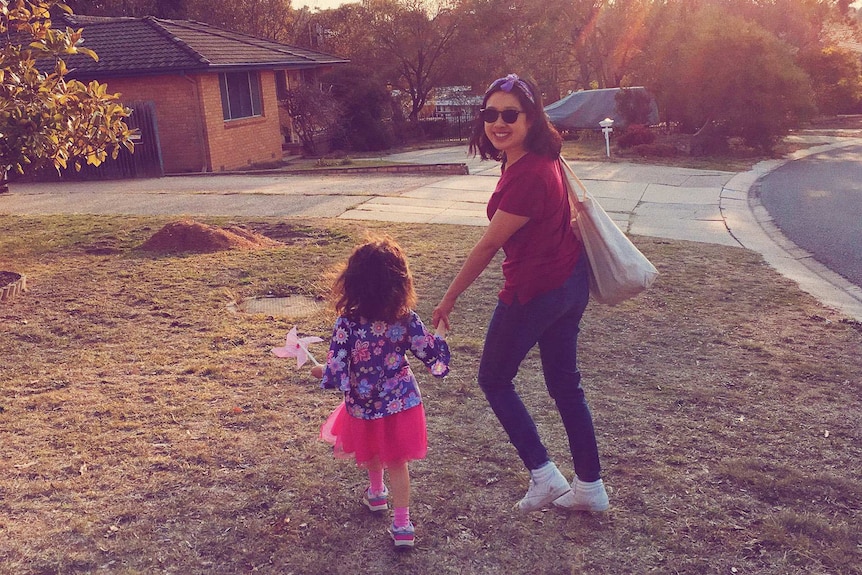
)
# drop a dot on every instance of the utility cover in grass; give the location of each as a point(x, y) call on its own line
point(289, 306)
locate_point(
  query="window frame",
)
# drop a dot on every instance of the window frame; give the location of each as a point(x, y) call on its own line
point(241, 95)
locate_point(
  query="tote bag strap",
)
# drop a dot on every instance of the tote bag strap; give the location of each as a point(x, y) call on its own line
point(575, 203)
point(569, 177)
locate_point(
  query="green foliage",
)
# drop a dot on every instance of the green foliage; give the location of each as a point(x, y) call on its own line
point(634, 106)
point(835, 78)
point(415, 36)
point(45, 118)
point(272, 19)
point(714, 70)
point(314, 114)
point(634, 135)
point(366, 111)
point(434, 128)
point(726, 63)
point(419, 45)
point(157, 8)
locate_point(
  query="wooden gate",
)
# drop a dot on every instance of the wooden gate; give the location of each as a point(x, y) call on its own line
point(145, 162)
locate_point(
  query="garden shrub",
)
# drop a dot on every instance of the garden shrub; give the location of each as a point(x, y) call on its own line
point(634, 105)
point(634, 135)
point(434, 128)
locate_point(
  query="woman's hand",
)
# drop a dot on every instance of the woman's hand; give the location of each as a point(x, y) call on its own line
point(503, 225)
point(317, 371)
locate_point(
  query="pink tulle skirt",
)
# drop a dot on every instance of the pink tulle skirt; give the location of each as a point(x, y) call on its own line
point(390, 440)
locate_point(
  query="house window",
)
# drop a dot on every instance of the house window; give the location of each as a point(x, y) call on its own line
point(240, 94)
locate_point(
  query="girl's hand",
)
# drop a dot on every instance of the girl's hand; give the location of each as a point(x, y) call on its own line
point(317, 371)
point(440, 317)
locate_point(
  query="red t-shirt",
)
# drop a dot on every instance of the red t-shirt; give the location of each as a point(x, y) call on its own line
point(541, 255)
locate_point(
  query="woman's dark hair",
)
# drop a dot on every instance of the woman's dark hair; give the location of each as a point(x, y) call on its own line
point(542, 138)
point(375, 284)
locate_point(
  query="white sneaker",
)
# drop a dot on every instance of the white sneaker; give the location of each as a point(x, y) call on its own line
point(546, 485)
point(585, 497)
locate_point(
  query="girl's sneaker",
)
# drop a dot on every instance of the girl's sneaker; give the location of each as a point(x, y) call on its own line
point(376, 501)
point(403, 536)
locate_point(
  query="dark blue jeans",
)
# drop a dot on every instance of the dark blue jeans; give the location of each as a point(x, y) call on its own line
point(551, 320)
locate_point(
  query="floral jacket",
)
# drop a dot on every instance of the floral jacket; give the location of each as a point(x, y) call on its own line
point(367, 361)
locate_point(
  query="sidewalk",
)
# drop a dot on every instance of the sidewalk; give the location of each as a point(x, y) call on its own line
point(657, 201)
point(667, 202)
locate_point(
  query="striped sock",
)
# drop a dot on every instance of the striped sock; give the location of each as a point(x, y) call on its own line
point(402, 517)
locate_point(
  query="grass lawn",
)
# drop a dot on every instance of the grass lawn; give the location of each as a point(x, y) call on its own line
point(146, 428)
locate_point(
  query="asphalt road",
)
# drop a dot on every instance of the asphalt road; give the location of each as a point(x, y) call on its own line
point(816, 201)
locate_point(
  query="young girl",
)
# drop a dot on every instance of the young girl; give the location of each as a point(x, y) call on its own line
point(381, 423)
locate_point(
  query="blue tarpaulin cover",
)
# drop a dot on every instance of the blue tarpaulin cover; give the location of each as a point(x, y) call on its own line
point(585, 109)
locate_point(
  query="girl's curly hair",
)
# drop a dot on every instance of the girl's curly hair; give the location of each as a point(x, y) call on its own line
point(375, 283)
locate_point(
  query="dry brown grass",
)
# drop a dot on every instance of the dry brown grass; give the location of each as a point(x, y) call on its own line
point(147, 429)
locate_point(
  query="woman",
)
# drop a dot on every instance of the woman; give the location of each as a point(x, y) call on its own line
point(543, 297)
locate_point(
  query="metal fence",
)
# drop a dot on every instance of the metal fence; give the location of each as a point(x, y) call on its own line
point(454, 128)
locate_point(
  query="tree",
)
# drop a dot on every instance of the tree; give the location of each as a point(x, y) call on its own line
point(620, 34)
point(835, 78)
point(715, 71)
point(365, 110)
point(552, 41)
point(314, 114)
point(634, 106)
point(344, 31)
point(175, 9)
point(272, 19)
point(415, 36)
point(660, 66)
point(45, 118)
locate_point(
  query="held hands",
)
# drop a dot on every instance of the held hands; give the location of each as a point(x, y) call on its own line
point(440, 317)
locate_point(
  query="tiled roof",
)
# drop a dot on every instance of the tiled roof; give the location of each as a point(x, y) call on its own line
point(150, 45)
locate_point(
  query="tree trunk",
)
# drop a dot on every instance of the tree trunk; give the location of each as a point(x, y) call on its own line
point(4, 184)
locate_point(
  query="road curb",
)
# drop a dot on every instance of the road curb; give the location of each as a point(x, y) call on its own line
point(791, 261)
point(458, 169)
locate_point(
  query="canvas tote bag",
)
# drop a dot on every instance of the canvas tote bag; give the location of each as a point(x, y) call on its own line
point(618, 270)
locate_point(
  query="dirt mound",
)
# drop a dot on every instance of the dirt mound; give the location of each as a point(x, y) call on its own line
point(192, 236)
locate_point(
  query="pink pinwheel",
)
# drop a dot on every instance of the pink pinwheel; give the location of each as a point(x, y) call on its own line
point(297, 347)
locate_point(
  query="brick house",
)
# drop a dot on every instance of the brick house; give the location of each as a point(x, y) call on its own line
point(214, 92)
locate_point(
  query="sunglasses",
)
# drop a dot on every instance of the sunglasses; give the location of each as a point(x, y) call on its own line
point(490, 115)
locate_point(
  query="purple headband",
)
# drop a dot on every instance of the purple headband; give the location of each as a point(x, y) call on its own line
point(506, 84)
